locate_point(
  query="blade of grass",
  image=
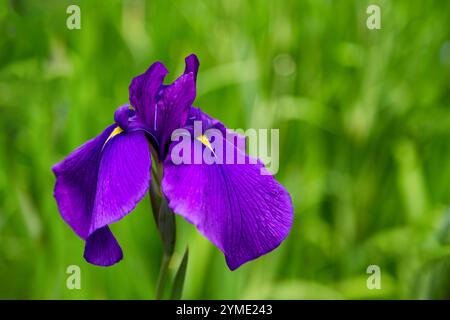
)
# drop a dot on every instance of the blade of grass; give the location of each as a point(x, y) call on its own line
point(178, 283)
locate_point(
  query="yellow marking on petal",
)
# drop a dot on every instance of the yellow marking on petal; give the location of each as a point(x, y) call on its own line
point(115, 132)
point(204, 139)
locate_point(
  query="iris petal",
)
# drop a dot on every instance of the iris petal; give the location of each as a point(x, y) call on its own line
point(101, 182)
point(192, 65)
point(245, 214)
point(163, 108)
point(144, 90)
point(102, 249)
point(173, 108)
point(76, 183)
point(123, 178)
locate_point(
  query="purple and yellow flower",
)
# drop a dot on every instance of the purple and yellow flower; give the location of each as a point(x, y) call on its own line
point(244, 213)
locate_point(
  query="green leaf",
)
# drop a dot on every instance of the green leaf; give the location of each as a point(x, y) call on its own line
point(177, 288)
point(166, 227)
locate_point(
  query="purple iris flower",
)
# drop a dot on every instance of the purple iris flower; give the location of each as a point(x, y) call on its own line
point(244, 213)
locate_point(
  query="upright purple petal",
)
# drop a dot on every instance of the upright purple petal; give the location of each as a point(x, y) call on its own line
point(144, 90)
point(173, 109)
point(192, 65)
point(244, 213)
point(163, 108)
point(102, 249)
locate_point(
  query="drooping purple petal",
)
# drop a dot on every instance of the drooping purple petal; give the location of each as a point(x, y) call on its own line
point(102, 249)
point(244, 213)
point(98, 184)
point(76, 183)
point(123, 178)
point(144, 90)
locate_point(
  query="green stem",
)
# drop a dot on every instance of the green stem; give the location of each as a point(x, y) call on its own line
point(165, 222)
point(155, 199)
point(162, 276)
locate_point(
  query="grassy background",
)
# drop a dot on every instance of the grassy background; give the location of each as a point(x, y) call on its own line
point(364, 136)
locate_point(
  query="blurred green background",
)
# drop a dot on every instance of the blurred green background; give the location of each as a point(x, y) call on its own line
point(364, 140)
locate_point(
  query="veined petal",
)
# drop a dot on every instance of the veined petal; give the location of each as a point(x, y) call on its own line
point(244, 213)
point(76, 183)
point(173, 109)
point(163, 108)
point(123, 178)
point(102, 249)
point(144, 90)
point(102, 181)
